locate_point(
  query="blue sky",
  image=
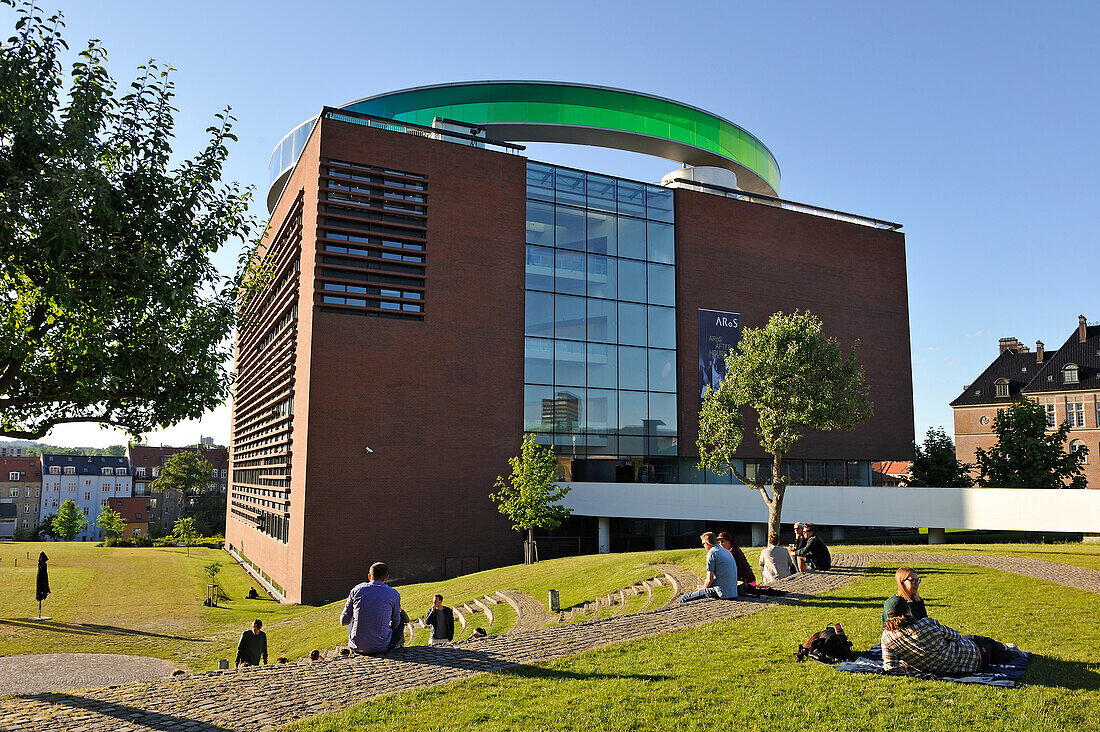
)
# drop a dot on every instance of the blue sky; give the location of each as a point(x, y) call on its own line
point(972, 124)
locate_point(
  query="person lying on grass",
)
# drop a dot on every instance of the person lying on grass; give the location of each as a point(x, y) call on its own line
point(908, 588)
point(926, 645)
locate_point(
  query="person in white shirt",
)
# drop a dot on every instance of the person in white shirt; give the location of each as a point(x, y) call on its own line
point(775, 561)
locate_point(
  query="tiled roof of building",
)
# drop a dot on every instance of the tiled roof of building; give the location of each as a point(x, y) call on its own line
point(1016, 368)
point(1085, 355)
point(32, 466)
point(895, 468)
point(85, 464)
point(145, 456)
point(1026, 375)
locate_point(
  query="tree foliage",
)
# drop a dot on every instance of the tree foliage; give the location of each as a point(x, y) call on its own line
point(796, 380)
point(529, 497)
point(187, 472)
point(935, 464)
point(68, 521)
point(185, 531)
point(1026, 455)
point(111, 522)
point(113, 311)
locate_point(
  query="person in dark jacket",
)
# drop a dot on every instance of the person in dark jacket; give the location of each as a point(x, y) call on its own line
point(253, 646)
point(441, 620)
point(814, 555)
point(744, 569)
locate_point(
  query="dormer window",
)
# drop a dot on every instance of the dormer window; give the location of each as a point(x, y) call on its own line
point(1069, 373)
point(1000, 387)
point(70, 470)
point(55, 470)
point(108, 471)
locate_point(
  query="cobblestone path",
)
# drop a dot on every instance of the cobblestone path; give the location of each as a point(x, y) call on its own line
point(270, 696)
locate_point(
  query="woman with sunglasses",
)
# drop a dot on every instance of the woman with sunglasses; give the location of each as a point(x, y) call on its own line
point(908, 583)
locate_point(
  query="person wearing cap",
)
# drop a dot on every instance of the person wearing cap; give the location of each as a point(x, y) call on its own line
point(744, 569)
point(928, 646)
point(814, 554)
point(721, 581)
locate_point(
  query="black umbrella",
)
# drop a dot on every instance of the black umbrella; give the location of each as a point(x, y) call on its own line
point(43, 589)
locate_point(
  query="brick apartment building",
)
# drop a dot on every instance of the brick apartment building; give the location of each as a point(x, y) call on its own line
point(168, 506)
point(135, 512)
point(1066, 382)
point(436, 294)
point(22, 487)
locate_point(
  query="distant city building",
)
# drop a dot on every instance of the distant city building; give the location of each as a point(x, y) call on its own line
point(890, 473)
point(89, 481)
point(22, 486)
point(1066, 382)
point(10, 451)
point(135, 512)
point(166, 507)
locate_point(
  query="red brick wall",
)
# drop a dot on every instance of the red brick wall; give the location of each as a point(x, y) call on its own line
point(757, 260)
point(439, 401)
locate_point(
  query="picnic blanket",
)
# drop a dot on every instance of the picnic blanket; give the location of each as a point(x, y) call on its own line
point(1002, 674)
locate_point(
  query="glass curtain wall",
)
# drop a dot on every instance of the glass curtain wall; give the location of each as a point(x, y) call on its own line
point(600, 324)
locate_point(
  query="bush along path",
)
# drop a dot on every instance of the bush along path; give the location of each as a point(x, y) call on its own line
point(271, 696)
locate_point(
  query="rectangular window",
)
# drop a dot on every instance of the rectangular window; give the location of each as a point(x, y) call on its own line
point(85, 510)
point(54, 470)
point(69, 470)
point(14, 492)
point(87, 495)
point(1051, 417)
point(1075, 414)
point(13, 476)
point(141, 472)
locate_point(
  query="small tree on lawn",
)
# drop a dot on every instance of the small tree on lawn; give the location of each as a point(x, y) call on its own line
point(69, 521)
point(935, 464)
point(111, 522)
point(1026, 456)
point(185, 531)
point(796, 380)
point(529, 497)
point(45, 530)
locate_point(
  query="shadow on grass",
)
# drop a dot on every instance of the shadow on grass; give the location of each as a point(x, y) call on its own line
point(1056, 673)
point(125, 714)
point(94, 629)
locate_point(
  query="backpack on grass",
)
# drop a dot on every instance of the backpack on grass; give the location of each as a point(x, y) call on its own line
point(829, 646)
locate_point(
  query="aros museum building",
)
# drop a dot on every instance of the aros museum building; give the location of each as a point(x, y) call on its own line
point(435, 293)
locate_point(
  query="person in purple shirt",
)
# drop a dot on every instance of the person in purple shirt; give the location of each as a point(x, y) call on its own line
point(373, 614)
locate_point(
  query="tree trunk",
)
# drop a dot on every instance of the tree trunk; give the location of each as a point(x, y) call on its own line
point(775, 508)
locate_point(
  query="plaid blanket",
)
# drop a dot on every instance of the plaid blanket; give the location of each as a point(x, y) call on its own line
point(1005, 674)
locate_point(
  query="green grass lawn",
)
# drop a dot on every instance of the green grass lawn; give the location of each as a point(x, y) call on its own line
point(148, 601)
point(741, 674)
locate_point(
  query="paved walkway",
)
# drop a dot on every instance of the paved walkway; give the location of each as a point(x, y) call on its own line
point(271, 696)
point(39, 672)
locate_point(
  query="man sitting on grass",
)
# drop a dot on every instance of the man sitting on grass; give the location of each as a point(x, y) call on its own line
point(373, 614)
point(441, 622)
point(926, 645)
point(253, 646)
point(721, 581)
point(814, 554)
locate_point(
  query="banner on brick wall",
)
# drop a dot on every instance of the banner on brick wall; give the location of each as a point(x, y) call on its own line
point(719, 333)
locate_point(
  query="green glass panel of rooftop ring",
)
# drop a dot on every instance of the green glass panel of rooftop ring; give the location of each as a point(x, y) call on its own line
point(584, 106)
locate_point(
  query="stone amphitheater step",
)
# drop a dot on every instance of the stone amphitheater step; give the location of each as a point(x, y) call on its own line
point(483, 607)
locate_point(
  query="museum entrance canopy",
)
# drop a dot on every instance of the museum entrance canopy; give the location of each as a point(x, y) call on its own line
point(542, 111)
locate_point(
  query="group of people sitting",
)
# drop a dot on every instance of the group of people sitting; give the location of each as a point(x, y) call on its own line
point(728, 569)
point(913, 641)
point(376, 622)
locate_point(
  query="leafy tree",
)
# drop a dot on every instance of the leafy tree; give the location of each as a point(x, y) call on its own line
point(529, 497)
point(796, 380)
point(1026, 456)
point(112, 310)
point(45, 529)
point(185, 531)
point(69, 521)
point(111, 522)
point(191, 474)
point(935, 464)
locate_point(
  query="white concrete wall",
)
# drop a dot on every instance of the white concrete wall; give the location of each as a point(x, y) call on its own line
point(948, 508)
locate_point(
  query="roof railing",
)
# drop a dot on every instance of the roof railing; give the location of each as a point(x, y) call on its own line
point(789, 205)
point(409, 128)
